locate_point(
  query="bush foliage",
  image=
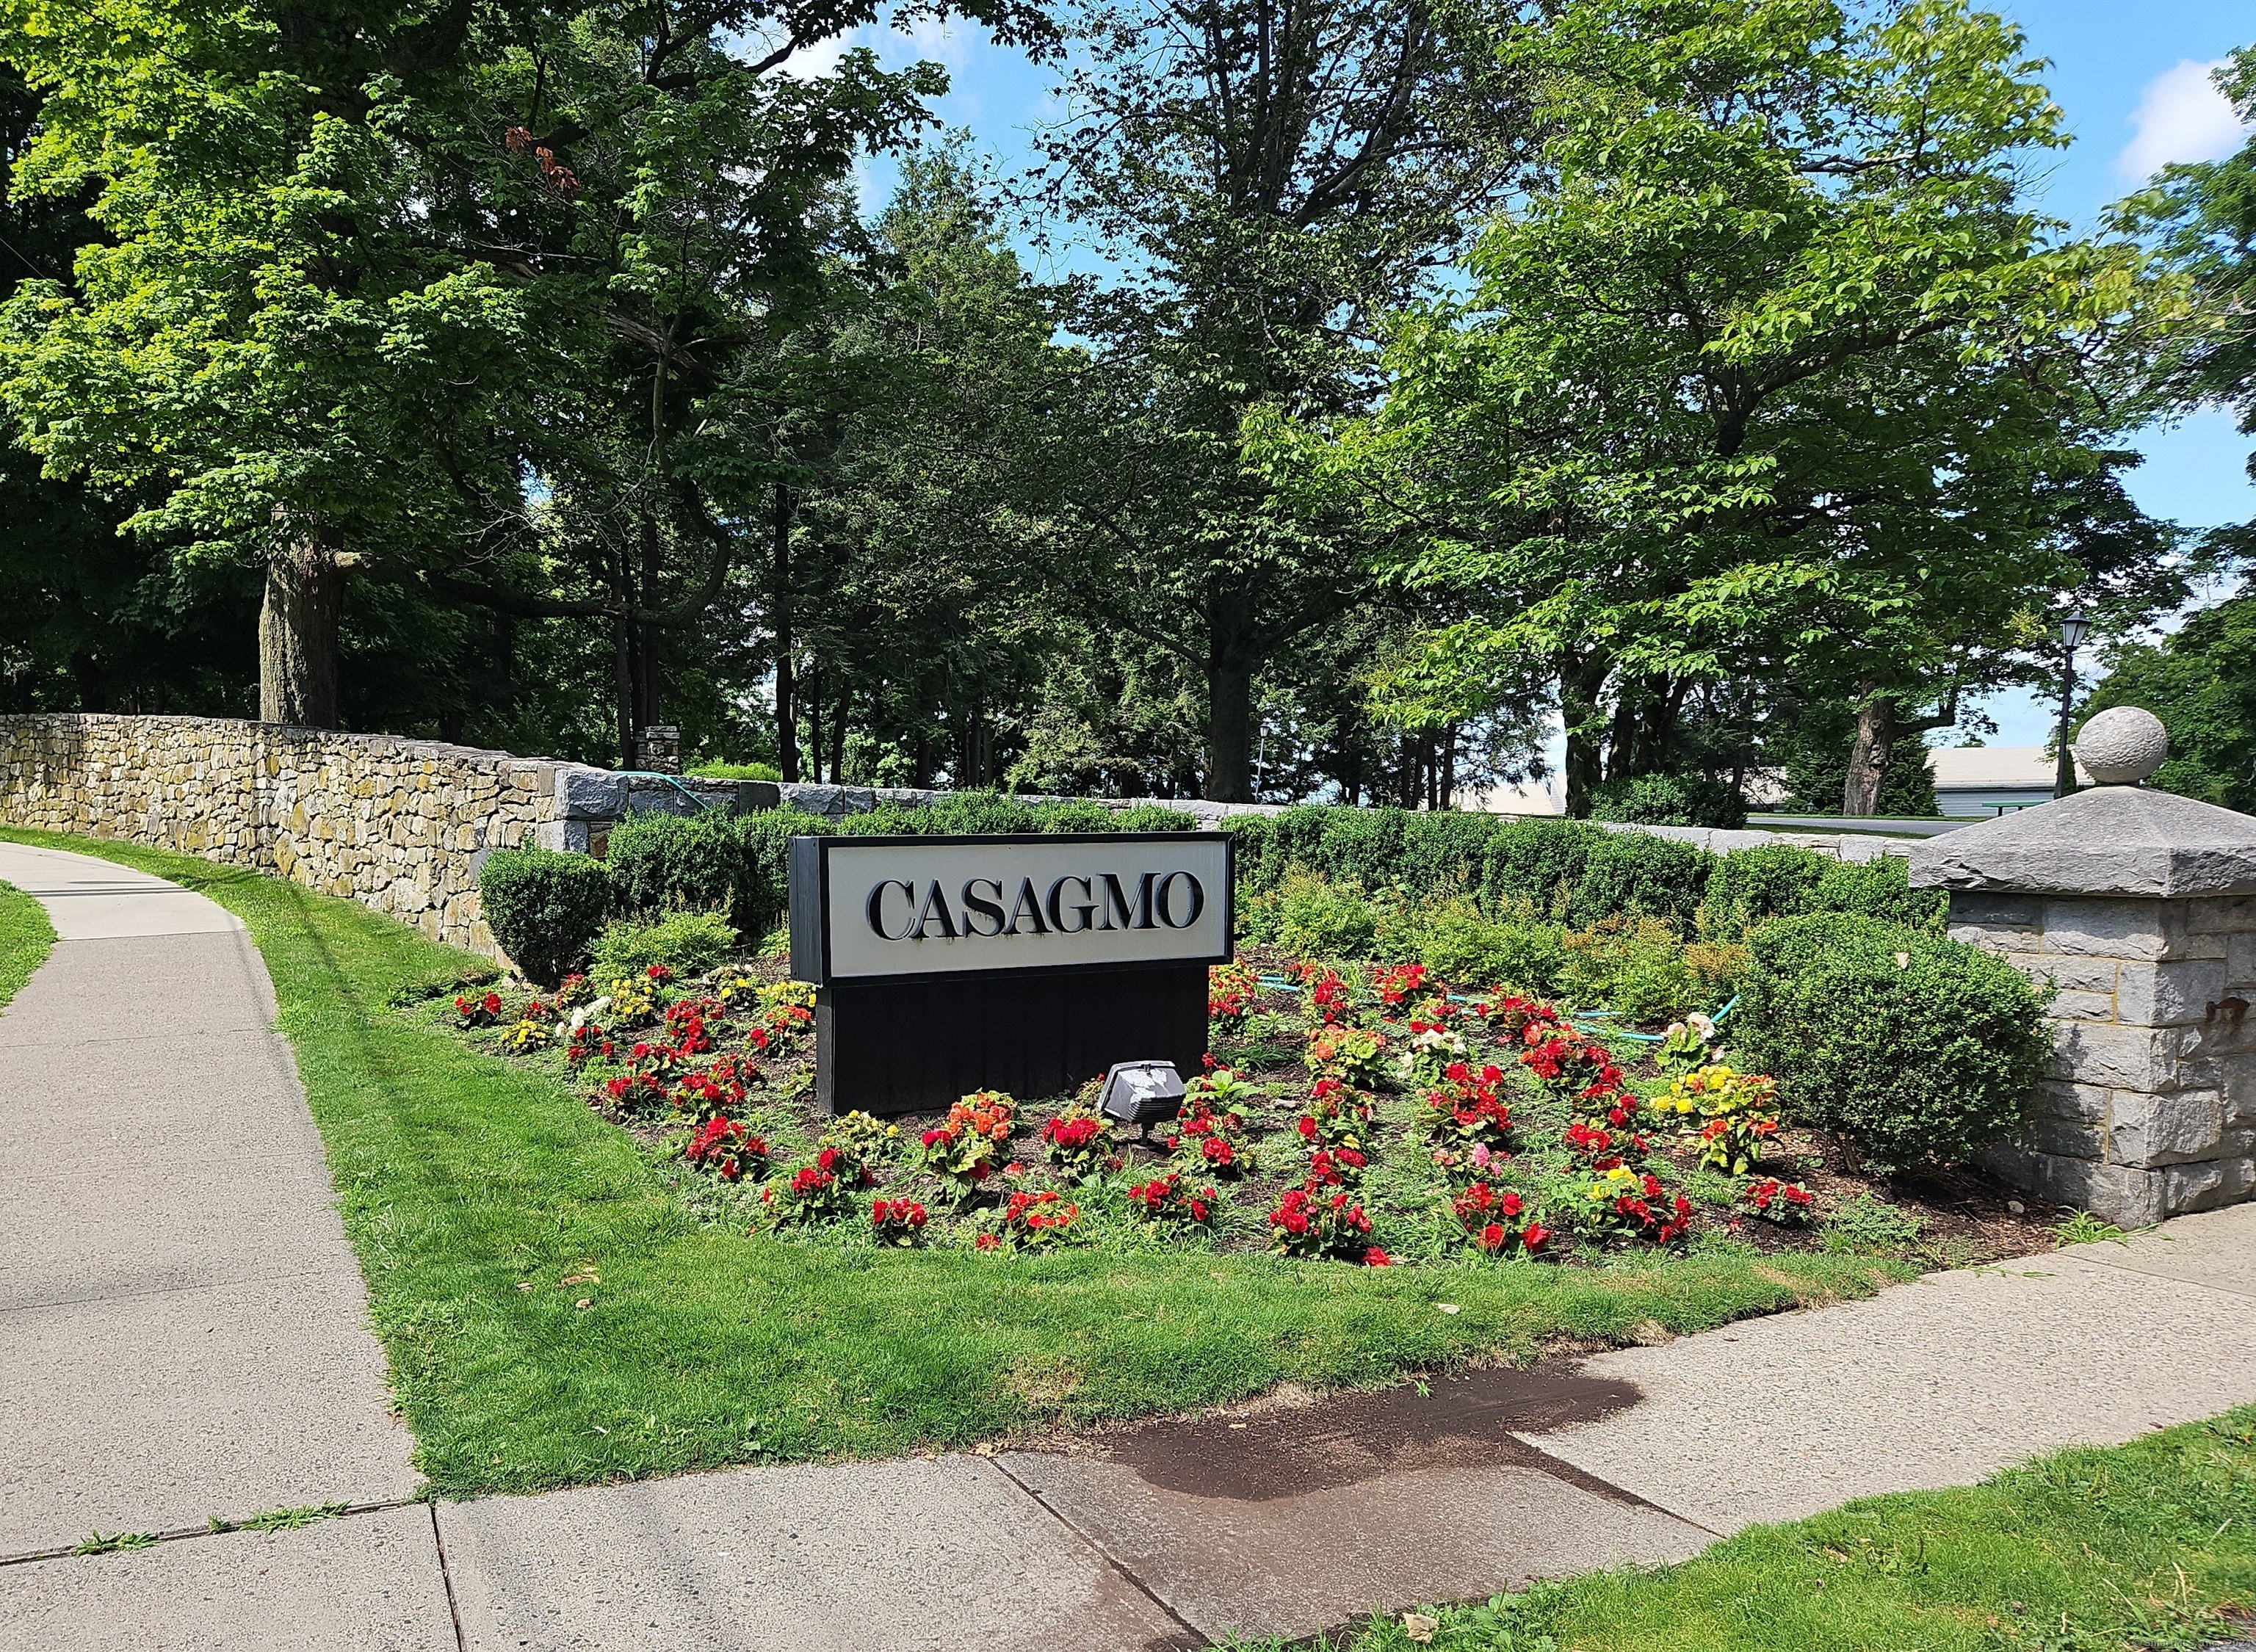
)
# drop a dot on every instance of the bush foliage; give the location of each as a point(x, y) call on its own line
point(1915, 1050)
point(687, 943)
point(544, 907)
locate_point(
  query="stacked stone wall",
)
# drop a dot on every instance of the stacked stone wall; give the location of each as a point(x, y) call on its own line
point(401, 826)
point(2148, 1108)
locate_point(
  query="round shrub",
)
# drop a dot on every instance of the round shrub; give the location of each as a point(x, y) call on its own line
point(715, 861)
point(1533, 861)
point(1923, 1061)
point(1459, 945)
point(544, 908)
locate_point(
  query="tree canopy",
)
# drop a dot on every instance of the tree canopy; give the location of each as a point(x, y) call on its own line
point(1697, 375)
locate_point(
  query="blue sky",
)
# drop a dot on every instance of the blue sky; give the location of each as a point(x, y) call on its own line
point(2131, 76)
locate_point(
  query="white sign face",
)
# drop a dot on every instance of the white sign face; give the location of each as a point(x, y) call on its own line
point(927, 906)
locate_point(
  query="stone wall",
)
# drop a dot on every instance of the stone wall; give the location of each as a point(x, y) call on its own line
point(403, 825)
point(398, 824)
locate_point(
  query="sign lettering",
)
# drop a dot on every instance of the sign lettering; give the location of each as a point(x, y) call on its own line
point(868, 907)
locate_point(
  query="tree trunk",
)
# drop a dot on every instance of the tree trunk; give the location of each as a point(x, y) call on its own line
point(1580, 682)
point(786, 710)
point(815, 722)
point(1229, 731)
point(838, 733)
point(647, 695)
point(1868, 753)
point(298, 632)
point(623, 689)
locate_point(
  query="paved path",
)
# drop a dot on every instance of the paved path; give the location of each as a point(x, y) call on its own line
point(182, 1334)
point(183, 1329)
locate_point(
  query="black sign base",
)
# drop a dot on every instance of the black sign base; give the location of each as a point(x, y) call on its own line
point(918, 1046)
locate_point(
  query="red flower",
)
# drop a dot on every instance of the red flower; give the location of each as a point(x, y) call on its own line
point(1376, 1258)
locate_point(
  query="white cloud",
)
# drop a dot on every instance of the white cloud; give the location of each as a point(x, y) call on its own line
point(2181, 116)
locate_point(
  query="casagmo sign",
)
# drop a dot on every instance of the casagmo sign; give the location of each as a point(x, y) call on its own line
point(875, 909)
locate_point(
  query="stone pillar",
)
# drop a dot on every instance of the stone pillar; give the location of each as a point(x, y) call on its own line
point(2138, 908)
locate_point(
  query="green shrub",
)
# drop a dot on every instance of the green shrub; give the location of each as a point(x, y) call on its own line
point(1880, 887)
point(1537, 862)
point(1927, 1060)
point(1078, 816)
point(687, 943)
point(1632, 873)
point(1750, 887)
point(1460, 945)
point(544, 907)
point(1871, 1226)
point(1635, 967)
point(1253, 839)
point(738, 865)
point(1312, 917)
point(1686, 800)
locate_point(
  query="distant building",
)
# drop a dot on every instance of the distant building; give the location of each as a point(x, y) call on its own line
point(1977, 782)
point(1547, 796)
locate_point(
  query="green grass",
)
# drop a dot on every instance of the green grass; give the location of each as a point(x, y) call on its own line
point(473, 1189)
point(2151, 1544)
point(26, 937)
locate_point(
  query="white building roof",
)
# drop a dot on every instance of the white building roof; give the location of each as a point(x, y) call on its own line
point(1992, 768)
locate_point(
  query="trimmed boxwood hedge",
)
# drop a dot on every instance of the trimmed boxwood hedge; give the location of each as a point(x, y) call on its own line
point(1571, 870)
point(1912, 1047)
point(544, 907)
point(741, 864)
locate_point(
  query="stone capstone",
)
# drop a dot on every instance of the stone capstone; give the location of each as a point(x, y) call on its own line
point(2110, 840)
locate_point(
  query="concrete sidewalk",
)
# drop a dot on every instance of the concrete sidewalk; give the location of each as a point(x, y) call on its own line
point(183, 1327)
point(182, 1334)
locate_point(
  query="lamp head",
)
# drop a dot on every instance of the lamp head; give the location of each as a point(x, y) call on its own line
point(1142, 1092)
point(2075, 628)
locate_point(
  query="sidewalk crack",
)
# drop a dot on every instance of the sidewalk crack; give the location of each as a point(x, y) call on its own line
point(447, 1576)
point(1197, 1638)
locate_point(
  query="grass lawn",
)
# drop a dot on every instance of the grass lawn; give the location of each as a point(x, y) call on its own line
point(2151, 1544)
point(488, 1204)
point(25, 935)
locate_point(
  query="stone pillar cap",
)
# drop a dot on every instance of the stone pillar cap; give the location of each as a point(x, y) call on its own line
point(2116, 840)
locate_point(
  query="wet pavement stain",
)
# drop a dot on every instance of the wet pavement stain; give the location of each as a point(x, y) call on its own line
point(1462, 1420)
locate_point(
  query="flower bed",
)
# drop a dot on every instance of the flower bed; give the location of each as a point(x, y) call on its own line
point(1350, 1115)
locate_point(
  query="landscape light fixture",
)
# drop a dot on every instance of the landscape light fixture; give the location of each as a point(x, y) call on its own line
point(1142, 1092)
point(2075, 626)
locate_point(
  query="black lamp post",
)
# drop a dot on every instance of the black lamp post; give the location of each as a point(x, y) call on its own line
point(2073, 630)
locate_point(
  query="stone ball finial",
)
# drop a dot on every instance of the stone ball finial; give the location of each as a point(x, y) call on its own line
point(2122, 746)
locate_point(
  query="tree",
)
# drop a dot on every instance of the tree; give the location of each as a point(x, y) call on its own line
point(2203, 216)
point(435, 293)
point(1774, 376)
point(1271, 174)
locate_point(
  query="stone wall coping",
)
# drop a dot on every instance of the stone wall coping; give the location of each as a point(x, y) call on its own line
point(386, 745)
point(2119, 839)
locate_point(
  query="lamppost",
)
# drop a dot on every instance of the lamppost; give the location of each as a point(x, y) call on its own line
point(2073, 630)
